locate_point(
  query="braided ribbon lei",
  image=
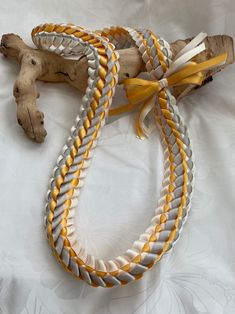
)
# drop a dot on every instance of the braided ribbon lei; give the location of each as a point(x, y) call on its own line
point(153, 97)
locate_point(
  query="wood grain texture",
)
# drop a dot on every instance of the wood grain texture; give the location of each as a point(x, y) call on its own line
point(48, 67)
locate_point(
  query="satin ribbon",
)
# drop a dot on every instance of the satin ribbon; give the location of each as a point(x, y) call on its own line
point(143, 93)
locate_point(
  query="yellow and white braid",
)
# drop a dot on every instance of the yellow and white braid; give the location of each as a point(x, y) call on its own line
point(70, 171)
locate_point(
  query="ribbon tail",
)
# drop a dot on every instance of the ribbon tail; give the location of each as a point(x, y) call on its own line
point(193, 48)
point(142, 129)
point(122, 109)
point(192, 44)
point(194, 69)
point(182, 61)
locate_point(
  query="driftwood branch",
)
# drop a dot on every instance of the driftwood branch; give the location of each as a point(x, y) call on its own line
point(46, 66)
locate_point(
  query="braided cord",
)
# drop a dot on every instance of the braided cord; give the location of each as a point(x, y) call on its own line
point(69, 173)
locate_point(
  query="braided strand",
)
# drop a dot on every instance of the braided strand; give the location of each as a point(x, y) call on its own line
point(70, 171)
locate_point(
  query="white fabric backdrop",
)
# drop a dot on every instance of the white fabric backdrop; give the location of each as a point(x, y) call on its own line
point(123, 183)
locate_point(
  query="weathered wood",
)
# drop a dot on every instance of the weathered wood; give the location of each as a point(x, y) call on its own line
point(46, 66)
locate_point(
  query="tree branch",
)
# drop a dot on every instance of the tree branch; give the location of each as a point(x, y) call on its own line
point(49, 67)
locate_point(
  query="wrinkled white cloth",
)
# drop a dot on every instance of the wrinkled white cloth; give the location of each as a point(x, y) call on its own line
point(124, 179)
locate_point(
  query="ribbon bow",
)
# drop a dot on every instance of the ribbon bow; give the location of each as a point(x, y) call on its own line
point(143, 93)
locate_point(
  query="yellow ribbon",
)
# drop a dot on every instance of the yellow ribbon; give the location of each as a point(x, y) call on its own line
point(141, 92)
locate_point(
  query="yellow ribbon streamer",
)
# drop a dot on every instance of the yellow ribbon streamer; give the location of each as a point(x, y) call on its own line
point(140, 92)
